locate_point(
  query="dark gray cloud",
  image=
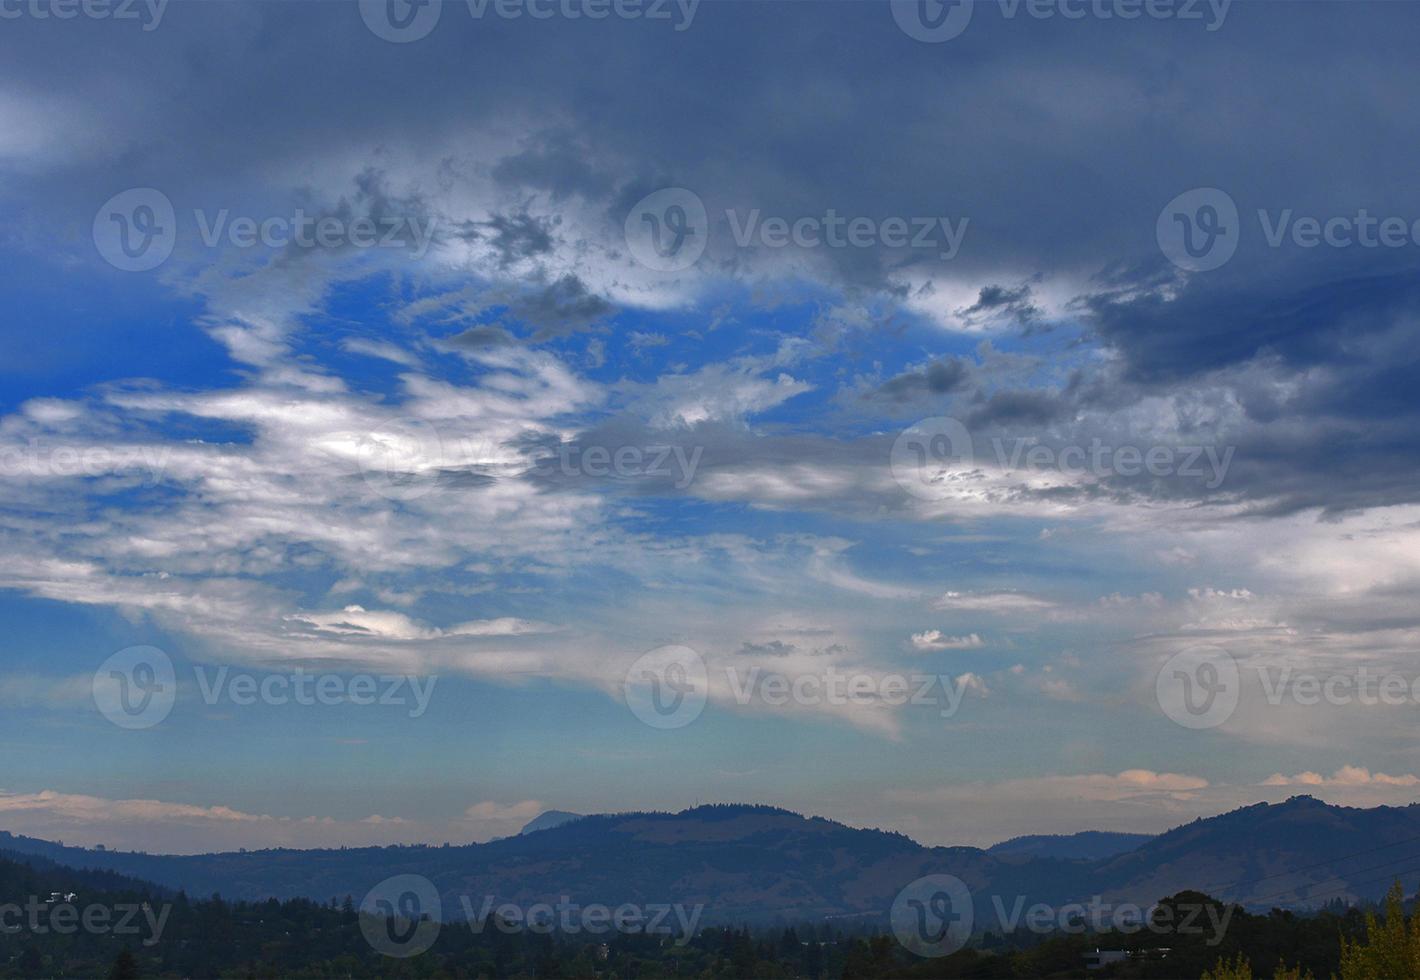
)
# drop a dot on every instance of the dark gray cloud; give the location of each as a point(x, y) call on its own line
point(997, 302)
point(555, 161)
point(487, 335)
point(1029, 407)
point(1060, 140)
point(774, 648)
point(560, 308)
point(514, 237)
point(939, 377)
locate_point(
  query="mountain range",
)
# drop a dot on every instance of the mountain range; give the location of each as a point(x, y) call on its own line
point(759, 864)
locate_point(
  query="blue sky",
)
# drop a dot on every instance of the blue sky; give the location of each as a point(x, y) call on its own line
point(508, 447)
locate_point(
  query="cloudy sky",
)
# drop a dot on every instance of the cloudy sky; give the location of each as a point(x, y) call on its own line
point(928, 380)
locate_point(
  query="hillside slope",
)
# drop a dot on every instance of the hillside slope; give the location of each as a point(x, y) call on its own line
point(761, 864)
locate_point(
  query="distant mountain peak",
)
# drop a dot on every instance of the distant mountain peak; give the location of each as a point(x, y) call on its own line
point(549, 819)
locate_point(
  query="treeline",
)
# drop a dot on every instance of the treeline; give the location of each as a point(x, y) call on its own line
point(301, 939)
point(1338, 941)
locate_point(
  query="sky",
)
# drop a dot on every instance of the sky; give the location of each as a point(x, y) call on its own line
point(966, 420)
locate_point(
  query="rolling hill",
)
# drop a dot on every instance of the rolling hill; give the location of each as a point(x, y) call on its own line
point(759, 864)
point(1088, 845)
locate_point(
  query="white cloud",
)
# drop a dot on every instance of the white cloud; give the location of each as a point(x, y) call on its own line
point(190, 828)
point(930, 640)
point(993, 602)
point(1345, 777)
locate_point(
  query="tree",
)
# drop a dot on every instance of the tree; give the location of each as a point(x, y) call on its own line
point(1238, 969)
point(31, 962)
point(1391, 949)
point(125, 967)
